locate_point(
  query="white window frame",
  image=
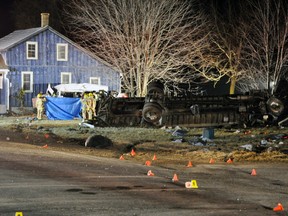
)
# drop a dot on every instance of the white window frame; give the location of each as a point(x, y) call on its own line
point(94, 78)
point(58, 46)
point(65, 74)
point(30, 73)
point(36, 50)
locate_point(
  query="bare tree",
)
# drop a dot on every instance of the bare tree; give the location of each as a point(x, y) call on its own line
point(226, 44)
point(144, 40)
point(248, 43)
point(266, 47)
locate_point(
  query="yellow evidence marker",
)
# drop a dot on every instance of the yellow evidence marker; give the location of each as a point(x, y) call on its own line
point(194, 184)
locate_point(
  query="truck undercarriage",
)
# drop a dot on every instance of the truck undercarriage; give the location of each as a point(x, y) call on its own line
point(158, 109)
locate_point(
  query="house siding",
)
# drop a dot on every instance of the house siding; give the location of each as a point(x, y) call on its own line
point(47, 70)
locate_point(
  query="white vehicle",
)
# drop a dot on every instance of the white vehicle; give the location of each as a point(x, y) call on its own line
point(75, 90)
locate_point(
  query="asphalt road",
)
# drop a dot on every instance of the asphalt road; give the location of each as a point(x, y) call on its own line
point(39, 181)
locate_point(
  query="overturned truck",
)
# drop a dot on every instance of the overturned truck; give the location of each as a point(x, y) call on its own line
point(158, 109)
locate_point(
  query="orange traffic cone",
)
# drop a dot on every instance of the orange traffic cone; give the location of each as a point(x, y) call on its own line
point(253, 173)
point(229, 160)
point(45, 146)
point(150, 173)
point(189, 164)
point(212, 161)
point(279, 207)
point(133, 153)
point(175, 178)
point(148, 163)
point(154, 157)
point(121, 157)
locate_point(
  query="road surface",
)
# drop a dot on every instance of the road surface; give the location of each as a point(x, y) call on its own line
point(40, 181)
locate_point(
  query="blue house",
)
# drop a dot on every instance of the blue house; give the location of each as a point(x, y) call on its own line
point(32, 59)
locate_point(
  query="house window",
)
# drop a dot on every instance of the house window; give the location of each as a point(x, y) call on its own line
point(32, 50)
point(27, 81)
point(95, 80)
point(65, 78)
point(62, 52)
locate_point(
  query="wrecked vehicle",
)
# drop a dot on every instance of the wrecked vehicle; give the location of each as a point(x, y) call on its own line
point(158, 109)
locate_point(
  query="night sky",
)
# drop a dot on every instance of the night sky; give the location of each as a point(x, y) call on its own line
point(6, 25)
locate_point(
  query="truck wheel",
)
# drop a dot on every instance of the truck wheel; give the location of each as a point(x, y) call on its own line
point(152, 112)
point(275, 106)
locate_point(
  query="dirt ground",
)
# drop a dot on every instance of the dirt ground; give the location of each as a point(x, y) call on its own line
point(167, 146)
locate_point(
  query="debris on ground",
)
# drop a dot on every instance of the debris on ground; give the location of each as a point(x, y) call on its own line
point(171, 145)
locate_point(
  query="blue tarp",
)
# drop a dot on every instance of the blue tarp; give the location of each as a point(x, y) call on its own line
point(62, 108)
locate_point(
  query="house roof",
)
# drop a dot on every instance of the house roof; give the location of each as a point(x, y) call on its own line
point(17, 37)
point(20, 36)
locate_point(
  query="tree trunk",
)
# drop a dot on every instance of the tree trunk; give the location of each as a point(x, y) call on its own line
point(232, 85)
